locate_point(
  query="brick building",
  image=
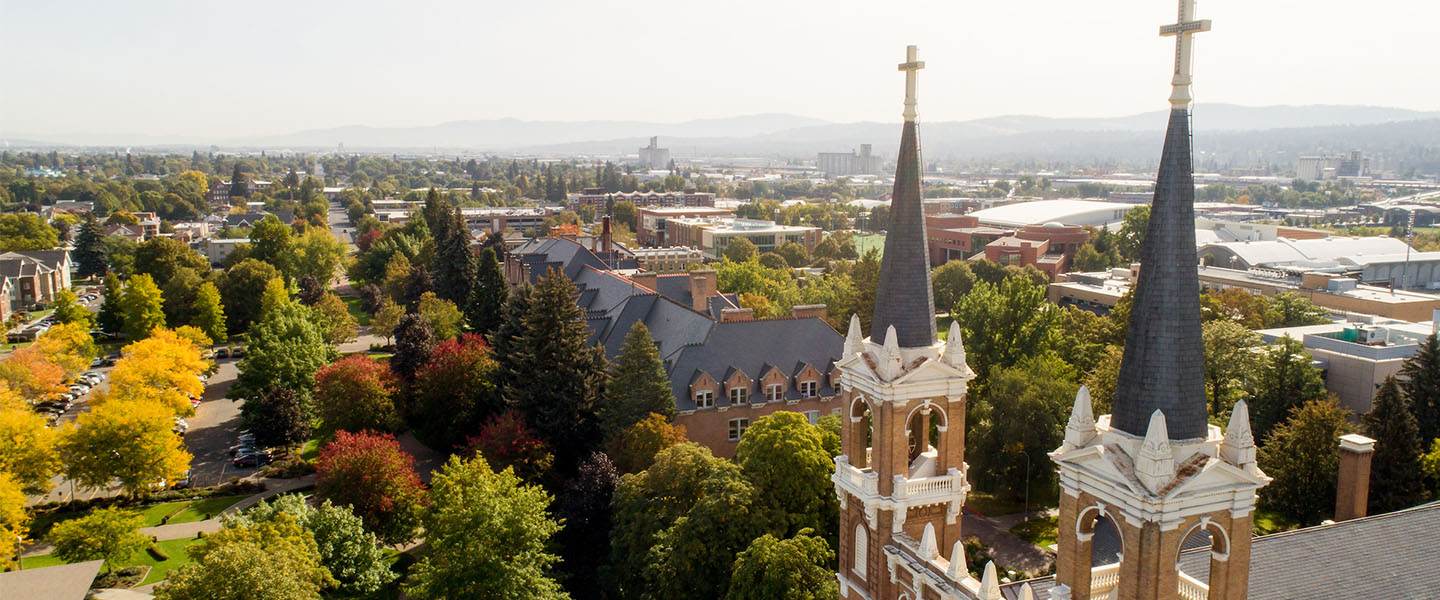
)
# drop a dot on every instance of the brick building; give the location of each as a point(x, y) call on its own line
point(1049, 247)
point(653, 222)
point(598, 199)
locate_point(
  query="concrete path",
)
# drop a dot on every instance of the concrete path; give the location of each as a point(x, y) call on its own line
point(1011, 552)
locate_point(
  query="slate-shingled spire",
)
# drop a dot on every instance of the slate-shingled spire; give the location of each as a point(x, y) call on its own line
point(1163, 367)
point(904, 297)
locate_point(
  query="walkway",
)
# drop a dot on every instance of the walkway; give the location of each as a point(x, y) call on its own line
point(1010, 552)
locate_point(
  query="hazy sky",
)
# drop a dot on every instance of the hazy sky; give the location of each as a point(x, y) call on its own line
point(206, 68)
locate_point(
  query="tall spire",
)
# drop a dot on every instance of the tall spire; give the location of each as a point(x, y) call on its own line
point(904, 298)
point(1163, 366)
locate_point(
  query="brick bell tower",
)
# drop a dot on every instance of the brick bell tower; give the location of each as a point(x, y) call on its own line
point(1155, 468)
point(901, 475)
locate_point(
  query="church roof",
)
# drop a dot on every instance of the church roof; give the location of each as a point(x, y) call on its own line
point(1163, 366)
point(904, 297)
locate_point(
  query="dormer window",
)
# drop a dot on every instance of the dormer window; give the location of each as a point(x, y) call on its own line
point(739, 395)
point(705, 399)
point(775, 392)
point(808, 389)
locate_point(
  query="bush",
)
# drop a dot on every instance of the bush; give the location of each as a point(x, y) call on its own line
point(156, 553)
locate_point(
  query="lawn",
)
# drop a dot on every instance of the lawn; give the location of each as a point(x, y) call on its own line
point(159, 570)
point(182, 511)
point(1041, 532)
point(1267, 522)
point(863, 243)
point(310, 451)
point(354, 305)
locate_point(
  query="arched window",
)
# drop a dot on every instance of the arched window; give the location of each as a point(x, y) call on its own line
point(862, 544)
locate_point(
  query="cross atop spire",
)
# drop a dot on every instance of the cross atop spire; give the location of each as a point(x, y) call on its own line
point(911, 67)
point(1184, 29)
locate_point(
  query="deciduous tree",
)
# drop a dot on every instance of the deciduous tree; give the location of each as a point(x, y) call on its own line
point(635, 448)
point(445, 319)
point(455, 392)
point(799, 568)
point(111, 318)
point(14, 523)
point(373, 476)
point(353, 556)
point(1019, 418)
point(584, 508)
point(1006, 324)
point(69, 310)
point(1286, 381)
point(1303, 458)
point(209, 315)
point(162, 257)
point(741, 249)
point(163, 370)
point(109, 534)
point(286, 350)
point(951, 281)
point(356, 393)
point(272, 242)
point(1231, 362)
point(142, 306)
point(27, 449)
point(784, 457)
point(319, 254)
point(334, 319)
point(131, 442)
point(507, 442)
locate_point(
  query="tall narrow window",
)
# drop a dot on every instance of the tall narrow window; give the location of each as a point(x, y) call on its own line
point(862, 543)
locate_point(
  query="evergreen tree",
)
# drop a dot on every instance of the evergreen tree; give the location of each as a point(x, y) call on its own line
point(487, 294)
point(414, 343)
point(238, 187)
point(637, 385)
point(454, 269)
point(111, 319)
point(585, 540)
point(1396, 481)
point(90, 256)
point(1421, 385)
point(1285, 382)
point(417, 284)
point(436, 212)
point(1302, 455)
point(553, 376)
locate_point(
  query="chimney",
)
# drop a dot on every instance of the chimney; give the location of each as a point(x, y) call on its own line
point(736, 315)
point(1353, 492)
point(703, 286)
point(605, 234)
point(803, 311)
point(645, 278)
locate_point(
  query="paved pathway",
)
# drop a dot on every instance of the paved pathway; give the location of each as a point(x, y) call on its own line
point(1010, 551)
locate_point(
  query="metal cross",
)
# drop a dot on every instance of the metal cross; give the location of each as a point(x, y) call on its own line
point(1183, 29)
point(910, 67)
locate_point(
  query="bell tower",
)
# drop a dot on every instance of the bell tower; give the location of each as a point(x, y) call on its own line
point(1155, 468)
point(901, 476)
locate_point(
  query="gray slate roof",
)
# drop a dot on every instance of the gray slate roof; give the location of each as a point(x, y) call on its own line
point(904, 297)
point(60, 582)
point(1163, 367)
point(753, 347)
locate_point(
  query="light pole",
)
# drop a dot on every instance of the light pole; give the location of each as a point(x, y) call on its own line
point(1027, 485)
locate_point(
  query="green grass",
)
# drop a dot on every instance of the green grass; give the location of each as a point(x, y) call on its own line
point(863, 243)
point(1042, 532)
point(353, 304)
point(175, 549)
point(1267, 522)
point(310, 451)
point(181, 511)
point(206, 508)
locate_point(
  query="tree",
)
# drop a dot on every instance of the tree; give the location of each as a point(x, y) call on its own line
point(1286, 381)
point(553, 375)
point(637, 385)
point(784, 457)
point(163, 369)
point(239, 287)
point(356, 393)
point(1420, 380)
point(487, 534)
point(454, 268)
point(454, 392)
point(286, 349)
point(353, 556)
point(179, 293)
point(393, 281)
point(1303, 458)
point(334, 319)
point(14, 522)
point(445, 319)
point(209, 315)
point(387, 319)
point(1088, 259)
point(951, 281)
point(799, 568)
point(69, 310)
point(487, 295)
point(1003, 325)
point(508, 443)
point(741, 249)
point(700, 548)
point(276, 559)
point(27, 448)
point(26, 231)
point(143, 307)
point(585, 511)
point(1231, 362)
point(277, 418)
point(30, 374)
point(89, 253)
point(1132, 232)
point(625, 213)
point(131, 442)
point(310, 290)
point(162, 257)
point(1293, 310)
point(839, 245)
point(271, 242)
point(373, 476)
point(1018, 418)
point(1396, 480)
point(111, 318)
point(239, 187)
point(414, 343)
point(636, 447)
point(794, 254)
point(319, 254)
point(109, 534)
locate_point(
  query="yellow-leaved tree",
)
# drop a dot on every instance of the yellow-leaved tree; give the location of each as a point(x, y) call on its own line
point(27, 449)
point(28, 372)
point(13, 520)
point(127, 441)
point(163, 369)
point(67, 345)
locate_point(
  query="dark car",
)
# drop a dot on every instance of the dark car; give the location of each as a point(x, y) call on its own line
point(252, 459)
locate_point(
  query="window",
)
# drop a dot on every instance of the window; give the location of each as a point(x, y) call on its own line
point(705, 399)
point(739, 395)
point(808, 388)
point(775, 392)
point(737, 428)
point(813, 416)
point(862, 540)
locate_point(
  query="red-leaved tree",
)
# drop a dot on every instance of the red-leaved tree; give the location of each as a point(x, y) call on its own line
point(356, 393)
point(367, 238)
point(455, 392)
point(369, 473)
point(506, 441)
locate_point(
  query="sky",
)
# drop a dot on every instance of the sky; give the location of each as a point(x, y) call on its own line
point(205, 69)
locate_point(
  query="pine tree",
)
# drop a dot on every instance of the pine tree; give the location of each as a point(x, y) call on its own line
point(437, 213)
point(417, 283)
point(414, 343)
point(553, 376)
point(637, 385)
point(238, 187)
point(111, 318)
point(90, 259)
point(454, 270)
point(1396, 481)
point(1421, 385)
point(487, 295)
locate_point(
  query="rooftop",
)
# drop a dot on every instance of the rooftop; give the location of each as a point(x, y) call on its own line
point(1039, 212)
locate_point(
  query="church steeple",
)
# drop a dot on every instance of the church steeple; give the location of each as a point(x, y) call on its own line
point(904, 298)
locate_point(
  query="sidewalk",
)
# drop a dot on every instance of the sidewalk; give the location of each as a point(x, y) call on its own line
point(1010, 552)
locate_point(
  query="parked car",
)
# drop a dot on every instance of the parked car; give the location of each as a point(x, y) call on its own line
point(252, 459)
point(184, 482)
point(243, 447)
point(237, 353)
point(222, 353)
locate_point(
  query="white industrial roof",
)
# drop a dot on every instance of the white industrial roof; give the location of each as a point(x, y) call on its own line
point(1069, 212)
point(1344, 250)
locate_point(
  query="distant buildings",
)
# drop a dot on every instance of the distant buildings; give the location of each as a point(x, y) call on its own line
point(1049, 247)
point(1327, 167)
point(711, 235)
point(654, 221)
point(599, 199)
point(492, 219)
point(1040, 212)
point(839, 164)
point(1376, 260)
point(654, 157)
point(32, 277)
point(1356, 356)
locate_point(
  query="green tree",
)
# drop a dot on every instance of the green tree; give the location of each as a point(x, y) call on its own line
point(784, 457)
point(272, 242)
point(69, 310)
point(1396, 479)
point(951, 281)
point(741, 249)
point(794, 254)
point(487, 295)
point(1087, 258)
point(445, 319)
point(866, 277)
point(111, 318)
point(699, 549)
point(637, 385)
point(143, 307)
point(1293, 310)
point(109, 534)
point(239, 187)
point(1303, 458)
point(1231, 362)
point(454, 269)
point(1285, 381)
point(273, 559)
point(179, 294)
point(277, 417)
point(1018, 418)
point(1003, 325)
point(487, 535)
point(286, 349)
point(774, 261)
point(334, 319)
point(239, 288)
point(353, 556)
point(799, 568)
point(839, 245)
point(319, 254)
point(89, 253)
point(649, 502)
point(1083, 337)
point(26, 231)
point(625, 213)
point(1132, 232)
point(1420, 380)
point(209, 315)
point(162, 257)
point(386, 319)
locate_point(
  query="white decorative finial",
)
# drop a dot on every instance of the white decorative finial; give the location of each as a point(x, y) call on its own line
point(955, 349)
point(958, 569)
point(1081, 428)
point(853, 337)
point(989, 583)
point(1239, 446)
point(1026, 593)
point(1155, 466)
point(1184, 28)
point(928, 548)
point(910, 67)
point(1060, 592)
point(888, 362)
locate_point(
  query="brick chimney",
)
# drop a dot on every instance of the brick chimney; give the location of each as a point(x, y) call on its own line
point(646, 278)
point(736, 315)
point(802, 311)
point(1353, 492)
point(704, 285)
point(605, 234)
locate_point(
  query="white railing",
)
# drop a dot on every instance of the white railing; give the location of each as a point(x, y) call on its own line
point(865, 482)
point(930, 486)
point(1192, 588)
point(1103, 579)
